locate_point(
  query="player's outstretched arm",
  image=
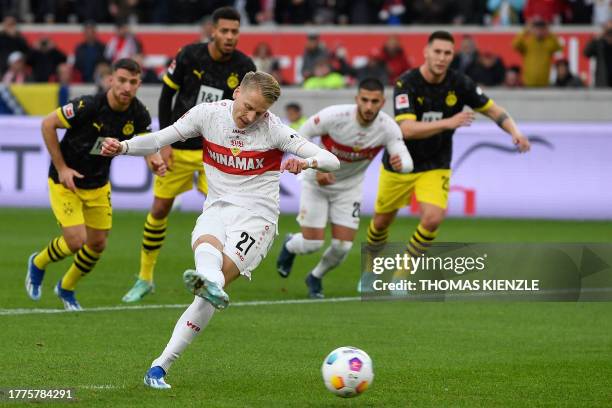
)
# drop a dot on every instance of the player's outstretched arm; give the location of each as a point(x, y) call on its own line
point(143, 145)
point(499, 115)
point(399, 157)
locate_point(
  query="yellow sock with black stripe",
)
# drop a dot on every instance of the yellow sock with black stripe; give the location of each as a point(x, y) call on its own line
point(376, 237)
point(419, 244)
point(84, 261)
point(420, 241)
point(54, 252)
point(152, 241)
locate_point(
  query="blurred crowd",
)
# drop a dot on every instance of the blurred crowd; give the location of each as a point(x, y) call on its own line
point(297, 12)
point(323, 67)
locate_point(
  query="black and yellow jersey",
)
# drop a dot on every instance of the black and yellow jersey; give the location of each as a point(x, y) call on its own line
point(416, 99)
point(89, 119)
point(199, 78)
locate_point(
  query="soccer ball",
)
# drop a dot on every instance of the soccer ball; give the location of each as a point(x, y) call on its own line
point(347, 371)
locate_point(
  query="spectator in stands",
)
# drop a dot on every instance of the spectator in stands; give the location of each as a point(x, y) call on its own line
point(17, 72)
point(432, 12)
point(489, 70)
point(579, 12)
point(537, 45)
point(263, 58)
point(324, 77)
point(359, 12)
point(206, 29)
point(147, 75)
point(564, 77)
point(339, 63)
point(102, 77)
point(123, 44)
point(395, 58)
point(295, 117)
point(602, 12)
point(88, 53)
point(505, 12)
point(63, 76)
point(467, 56)
point(124, 10)
point(293, 12)
point(374, 68)
point(10, 40)
point(600, 49)
point(550, 11)
point(44, 59)
point(314, 51)
point(392, 12)
point(513, 77)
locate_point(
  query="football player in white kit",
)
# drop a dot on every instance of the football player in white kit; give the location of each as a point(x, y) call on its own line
point(242, 153)
point(355, 134)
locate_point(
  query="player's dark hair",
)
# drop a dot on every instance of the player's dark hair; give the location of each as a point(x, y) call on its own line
point(293, 105)
point(371, 84)
point(128, 64)
point(440, 35)
point(225, 13)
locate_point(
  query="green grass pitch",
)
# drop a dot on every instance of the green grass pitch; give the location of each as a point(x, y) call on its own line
point(502, 354)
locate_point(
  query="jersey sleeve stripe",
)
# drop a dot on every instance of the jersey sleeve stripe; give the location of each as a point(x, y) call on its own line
point(170, 83)
point(485, 107)
point(405, 116)
point(62, 118)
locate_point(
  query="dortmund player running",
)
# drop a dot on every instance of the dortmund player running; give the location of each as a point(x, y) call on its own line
point(428, 105)
point(200, 72)
point(79, 188)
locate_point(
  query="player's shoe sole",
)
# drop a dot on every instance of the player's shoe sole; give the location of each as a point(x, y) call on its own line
point(154, 378)
point(315, 287)
point(67, 298)
point(34, 278)
point(205, 289)
point(140, 289)
point(285, 259)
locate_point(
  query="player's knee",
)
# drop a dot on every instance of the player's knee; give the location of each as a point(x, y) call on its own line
point(161, 208)
point(75, 242)
point(431, 222)
point(341, 249)
point(98, 245)
point(382, 221)
point(312, 245)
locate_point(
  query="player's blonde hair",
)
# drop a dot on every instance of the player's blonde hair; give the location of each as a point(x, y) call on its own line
point(264, 82)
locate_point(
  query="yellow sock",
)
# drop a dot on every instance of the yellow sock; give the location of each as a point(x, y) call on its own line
point(84, 261)
point(419, 244)
point(54, 252)
point(152, 241)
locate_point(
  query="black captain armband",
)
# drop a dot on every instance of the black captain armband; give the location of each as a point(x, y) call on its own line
point(502, 117)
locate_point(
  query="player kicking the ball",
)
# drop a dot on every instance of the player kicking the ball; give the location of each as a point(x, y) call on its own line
point(242, 152)
point(354, 133)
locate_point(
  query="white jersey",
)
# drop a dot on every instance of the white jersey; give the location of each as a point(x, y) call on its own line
point(242, 165)
point(353, 144)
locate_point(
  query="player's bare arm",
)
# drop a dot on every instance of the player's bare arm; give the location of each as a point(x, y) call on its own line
point(413, 129)
point(156, 164)
point(66, 175)
point(499, 115)
point(325, 179)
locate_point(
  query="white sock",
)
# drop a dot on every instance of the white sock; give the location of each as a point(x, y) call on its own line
point(332, 257)
point(189, 325)
point(299, 246)
point(208, 261)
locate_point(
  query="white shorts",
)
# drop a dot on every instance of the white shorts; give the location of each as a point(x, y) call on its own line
point(318, 203)
point(246, 237)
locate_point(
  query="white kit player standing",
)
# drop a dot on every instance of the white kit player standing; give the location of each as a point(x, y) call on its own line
point(355, 134)
point(242, 153)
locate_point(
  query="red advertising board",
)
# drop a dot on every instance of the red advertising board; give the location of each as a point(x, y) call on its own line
point(289, 45)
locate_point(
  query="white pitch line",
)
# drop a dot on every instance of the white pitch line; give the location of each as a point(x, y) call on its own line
point(14, 312)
